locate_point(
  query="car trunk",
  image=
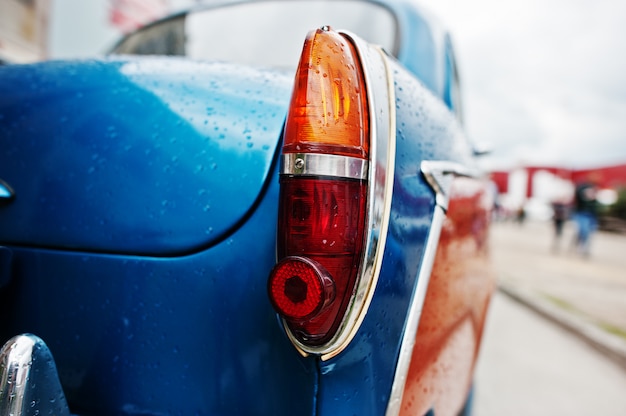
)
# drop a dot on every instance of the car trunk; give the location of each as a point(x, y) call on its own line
point(156, 156)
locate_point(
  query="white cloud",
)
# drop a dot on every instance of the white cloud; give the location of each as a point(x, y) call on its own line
point(543, 79)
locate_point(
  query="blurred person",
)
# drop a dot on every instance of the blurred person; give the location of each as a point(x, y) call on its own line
point(585, 216)
point(520, 215)
point(560, 215)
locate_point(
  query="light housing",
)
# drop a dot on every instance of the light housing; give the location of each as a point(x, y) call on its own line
point(335, 191)
point(322, 208)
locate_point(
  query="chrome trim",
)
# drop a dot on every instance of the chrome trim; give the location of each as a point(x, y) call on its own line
point(381, 98)
point(439, 175)
point(6, 192)
point(415, 313)
point(323, 165)
point(29, 383)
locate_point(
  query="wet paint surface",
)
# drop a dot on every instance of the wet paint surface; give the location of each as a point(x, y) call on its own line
point(150, 156)
point(141, 335)
point(450, 329)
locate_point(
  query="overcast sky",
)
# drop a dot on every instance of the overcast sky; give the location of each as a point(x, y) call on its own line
point(544, 81)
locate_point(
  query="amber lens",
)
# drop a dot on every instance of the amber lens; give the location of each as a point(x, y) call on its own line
point(328, 112)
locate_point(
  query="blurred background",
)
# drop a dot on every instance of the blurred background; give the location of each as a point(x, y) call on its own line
point(544, 89)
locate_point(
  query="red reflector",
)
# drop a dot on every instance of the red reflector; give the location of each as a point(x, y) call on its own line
point(300, 288)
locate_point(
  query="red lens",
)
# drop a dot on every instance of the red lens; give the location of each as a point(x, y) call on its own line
point(300, 288)
point(323, 219)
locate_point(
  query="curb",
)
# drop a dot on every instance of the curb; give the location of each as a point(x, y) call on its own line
point(612, 346)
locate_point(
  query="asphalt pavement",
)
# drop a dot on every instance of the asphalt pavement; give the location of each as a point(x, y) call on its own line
point(584, 294)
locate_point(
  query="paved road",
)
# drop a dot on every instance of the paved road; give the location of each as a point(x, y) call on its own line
point(529, 365)
point(593, 287)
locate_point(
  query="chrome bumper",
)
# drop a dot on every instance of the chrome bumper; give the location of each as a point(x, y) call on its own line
point(29, 383)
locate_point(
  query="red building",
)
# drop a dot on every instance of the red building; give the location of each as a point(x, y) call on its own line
point(606, 177)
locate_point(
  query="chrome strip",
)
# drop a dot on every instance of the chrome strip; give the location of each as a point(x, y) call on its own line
point(439, 175)
point(6, 192)
point(415, 312)
point(323, 165)
point(380, 90)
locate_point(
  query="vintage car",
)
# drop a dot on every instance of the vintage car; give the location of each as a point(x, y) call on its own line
point(274, 212)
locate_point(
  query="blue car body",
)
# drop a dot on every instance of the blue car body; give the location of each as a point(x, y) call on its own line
point(139, 227)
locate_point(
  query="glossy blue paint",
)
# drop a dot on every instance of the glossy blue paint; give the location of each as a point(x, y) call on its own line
point(422, 44)
point(181, 336)
point(6, 261)
point(146, 156)
point(6, 193)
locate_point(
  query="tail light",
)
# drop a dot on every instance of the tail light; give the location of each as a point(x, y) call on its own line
point(324, 192)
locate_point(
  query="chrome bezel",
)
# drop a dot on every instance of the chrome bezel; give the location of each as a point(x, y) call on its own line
point(317, 164)
point(380, 175)
point(439, 175)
